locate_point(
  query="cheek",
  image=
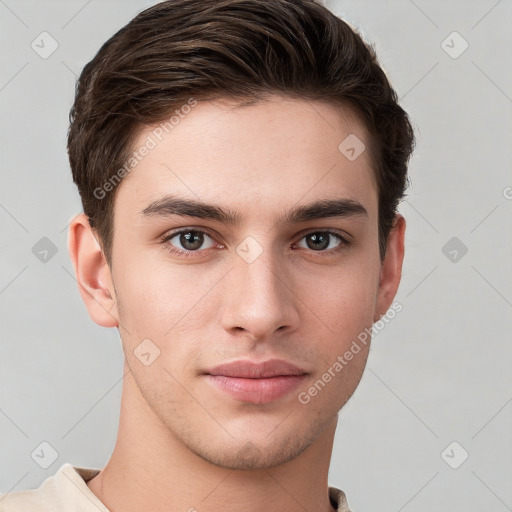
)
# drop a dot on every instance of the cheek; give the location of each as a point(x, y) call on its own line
point(154, 296)
point(166, 304)
point(344, 301)
point(346, 310)
point(352, 309)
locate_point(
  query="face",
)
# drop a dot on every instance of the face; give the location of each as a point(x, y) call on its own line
point(195, 289)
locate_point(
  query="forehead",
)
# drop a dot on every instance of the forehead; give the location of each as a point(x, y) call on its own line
point(259, 157)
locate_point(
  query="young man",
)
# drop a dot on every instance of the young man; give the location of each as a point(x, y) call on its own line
point(240, 163)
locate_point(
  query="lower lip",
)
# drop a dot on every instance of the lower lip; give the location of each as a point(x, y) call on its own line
point(256, 391)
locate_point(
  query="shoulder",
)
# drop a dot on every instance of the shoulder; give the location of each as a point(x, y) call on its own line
point(338, 500)
point(64, 491)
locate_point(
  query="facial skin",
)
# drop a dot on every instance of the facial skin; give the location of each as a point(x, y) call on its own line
point(182, 440)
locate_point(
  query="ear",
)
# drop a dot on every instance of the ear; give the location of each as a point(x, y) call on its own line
point(391, 267)
point(92, 272)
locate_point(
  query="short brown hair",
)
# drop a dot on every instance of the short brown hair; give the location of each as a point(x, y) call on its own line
point(239, 49)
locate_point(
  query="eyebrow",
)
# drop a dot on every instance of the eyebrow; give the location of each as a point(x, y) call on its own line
point(174, 205)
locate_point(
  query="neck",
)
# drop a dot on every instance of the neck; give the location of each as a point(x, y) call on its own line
point(151, 469)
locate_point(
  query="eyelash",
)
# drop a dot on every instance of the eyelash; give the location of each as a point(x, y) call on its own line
point(344, 245)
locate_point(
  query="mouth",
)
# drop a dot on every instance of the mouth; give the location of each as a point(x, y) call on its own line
point(256, 383)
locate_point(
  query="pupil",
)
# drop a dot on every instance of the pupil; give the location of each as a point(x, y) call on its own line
point(323, 243)
point(186, 239)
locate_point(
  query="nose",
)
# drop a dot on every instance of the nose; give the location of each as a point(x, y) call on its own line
point(259, 298)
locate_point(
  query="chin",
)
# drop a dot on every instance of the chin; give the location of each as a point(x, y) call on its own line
point(250, 456)
point(261, 450)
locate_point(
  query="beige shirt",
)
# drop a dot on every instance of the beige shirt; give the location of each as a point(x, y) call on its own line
point(66, 491)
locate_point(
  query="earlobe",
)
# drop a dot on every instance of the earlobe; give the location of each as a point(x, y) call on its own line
point(391, 268)
point(92, 272)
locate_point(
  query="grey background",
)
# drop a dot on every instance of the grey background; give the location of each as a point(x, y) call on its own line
point(438, 373)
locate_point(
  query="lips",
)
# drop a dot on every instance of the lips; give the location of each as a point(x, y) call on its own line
point(256, 383)
point(252, 370)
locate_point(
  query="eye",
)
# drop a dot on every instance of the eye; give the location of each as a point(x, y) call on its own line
point(188, 241)
point(318, 241)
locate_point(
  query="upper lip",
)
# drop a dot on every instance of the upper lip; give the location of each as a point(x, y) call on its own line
point(256, 370)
